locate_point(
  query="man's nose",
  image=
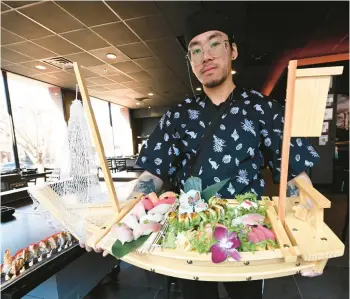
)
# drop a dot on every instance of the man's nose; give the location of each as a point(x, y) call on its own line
point(206, 56)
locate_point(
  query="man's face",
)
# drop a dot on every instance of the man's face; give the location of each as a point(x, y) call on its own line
point(210, 55)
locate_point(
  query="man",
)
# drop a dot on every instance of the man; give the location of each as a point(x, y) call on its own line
point(248, 128)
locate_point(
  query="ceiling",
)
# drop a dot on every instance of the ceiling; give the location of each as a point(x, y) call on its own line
point(147, 39)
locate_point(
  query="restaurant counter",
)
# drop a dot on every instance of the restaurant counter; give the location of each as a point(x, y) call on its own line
point(71, 273)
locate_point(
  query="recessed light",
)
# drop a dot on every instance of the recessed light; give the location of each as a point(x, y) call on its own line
point(40, 67)
point(233, 72)
point(150, 94)
point(149, 107)
point(105, 71)
point(56, 93)
point(198, 89)
point(111, 56)
point(138, 104)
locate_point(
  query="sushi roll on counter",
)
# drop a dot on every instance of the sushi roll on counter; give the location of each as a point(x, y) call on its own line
point(27, 260)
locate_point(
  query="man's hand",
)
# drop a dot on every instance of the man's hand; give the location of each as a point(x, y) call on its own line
point(89, 249)
point(310, 273)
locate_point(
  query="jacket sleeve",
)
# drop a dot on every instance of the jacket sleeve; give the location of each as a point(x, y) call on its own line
point(302, 155)
point(161, 153)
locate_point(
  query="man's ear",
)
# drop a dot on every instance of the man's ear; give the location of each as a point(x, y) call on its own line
point(234, 51)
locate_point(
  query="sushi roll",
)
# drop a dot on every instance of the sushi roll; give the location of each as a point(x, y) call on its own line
point(69, 239)
point(53, 242)
point(220, 211)
point(203, 216)
point(61, 240)
point(172, 217)
point(33, 250)
point(6, 266)
point(194, 217)
point(44, 249)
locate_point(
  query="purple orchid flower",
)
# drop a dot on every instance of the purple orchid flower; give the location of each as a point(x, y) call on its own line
point(226, 246)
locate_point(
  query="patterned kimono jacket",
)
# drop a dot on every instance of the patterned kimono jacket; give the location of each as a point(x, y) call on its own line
point(249, 132)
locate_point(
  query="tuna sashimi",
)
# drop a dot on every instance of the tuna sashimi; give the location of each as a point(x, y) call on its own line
point(153, 197)
point(144, 229)
point(259, 233)
point(248, 219)
point(169, 201)
point(152, 217)
point(252, 237)
point(147, 204)
point(160, 209)
point(131, 220)
point(138, 210)
point(123, 232)
point(269, 235)
point(166, 195)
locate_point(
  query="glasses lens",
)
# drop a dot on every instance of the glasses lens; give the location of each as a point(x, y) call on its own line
point(214, 48)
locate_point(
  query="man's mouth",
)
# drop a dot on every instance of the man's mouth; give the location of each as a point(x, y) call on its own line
point(208, 69)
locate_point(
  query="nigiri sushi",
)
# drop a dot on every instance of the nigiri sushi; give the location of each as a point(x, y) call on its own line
point(138, 210)
point(160, 209)
point(131, 220)
point(152, 217)
point(144, 229)
point(147, 204)
point(248, 219)
point(169, 200)
point(153, 197)
point(166, 195)
point(69, 238)
point(123, 233)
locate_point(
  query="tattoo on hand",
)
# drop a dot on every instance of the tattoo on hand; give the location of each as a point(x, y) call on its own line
point(292, 190)
point(145, 186)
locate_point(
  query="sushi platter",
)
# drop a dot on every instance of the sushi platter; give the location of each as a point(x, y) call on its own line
point(26, 260)
point(197, 235)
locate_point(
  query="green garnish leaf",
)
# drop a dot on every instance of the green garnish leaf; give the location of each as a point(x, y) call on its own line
point(119, 250)
point(212, 190)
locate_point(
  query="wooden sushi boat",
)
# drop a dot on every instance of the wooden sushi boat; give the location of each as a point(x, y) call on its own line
point(305, 241)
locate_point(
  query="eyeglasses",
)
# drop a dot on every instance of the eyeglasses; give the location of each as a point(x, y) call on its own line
point(215, 49)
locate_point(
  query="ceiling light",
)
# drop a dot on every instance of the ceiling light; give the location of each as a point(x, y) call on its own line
point(40, 67)
point(233, 72)
point(105, 71)
point(138, 104)
point(150, 94)
point(198, 89)
point(56, 94)
point(149, 107)
point(111, 56)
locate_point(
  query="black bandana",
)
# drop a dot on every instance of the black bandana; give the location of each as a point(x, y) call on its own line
point(206, 20)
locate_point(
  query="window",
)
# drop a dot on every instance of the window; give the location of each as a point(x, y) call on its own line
point(123, 143)
point(7, 160)
point(101, 111)
point(38, 120)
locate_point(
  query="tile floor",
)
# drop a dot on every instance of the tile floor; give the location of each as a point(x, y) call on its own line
point(135, 283)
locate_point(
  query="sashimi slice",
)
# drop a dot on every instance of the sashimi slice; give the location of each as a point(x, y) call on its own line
point(160, 209)
point(147, 204)
point(123, 232)
point(269, 235)
point(144, 229)
point(152, 217)
point(260, 234)
point(169, 201)
point(153, 197)
point(248, 219)
point(131, 220)
point(138, 210)
point(252, 237)
point(166, 195)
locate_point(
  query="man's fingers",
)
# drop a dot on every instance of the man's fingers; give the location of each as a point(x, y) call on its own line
point(88, 249)
point(105, 253)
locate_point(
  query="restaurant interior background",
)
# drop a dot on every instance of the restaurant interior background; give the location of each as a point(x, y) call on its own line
point(133, 59)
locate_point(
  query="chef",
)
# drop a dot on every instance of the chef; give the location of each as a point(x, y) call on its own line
point(226, 132)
